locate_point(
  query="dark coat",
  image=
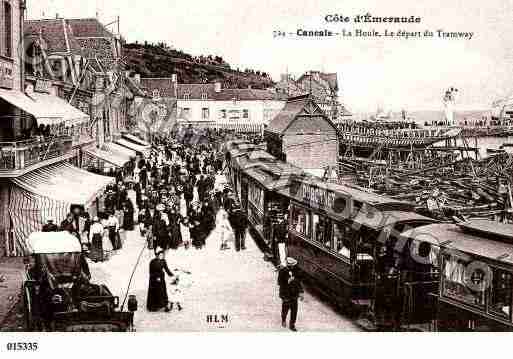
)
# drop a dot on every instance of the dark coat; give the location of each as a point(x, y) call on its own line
point(157, 291)
point(50, 227)
point(292, 290)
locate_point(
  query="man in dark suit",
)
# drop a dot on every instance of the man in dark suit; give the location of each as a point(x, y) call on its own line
point(239, 224)
point(290, 291)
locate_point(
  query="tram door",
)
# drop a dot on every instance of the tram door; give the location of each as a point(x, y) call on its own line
point(244, 193)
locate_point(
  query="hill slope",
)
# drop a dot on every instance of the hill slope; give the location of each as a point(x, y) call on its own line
point(158, 60)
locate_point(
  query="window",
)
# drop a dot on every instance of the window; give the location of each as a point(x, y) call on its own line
point(204, 96)
point(7, 50)
point(256, 196)
point(321, 231)
point(156, 93)
point(500, 301)
point(234, 114)
point(186, 96)
point(223, 113)
point(205, 113)
point(186, 113)
point(300, 221)
point(342, 237)
point(245, 114)
point(463, 282)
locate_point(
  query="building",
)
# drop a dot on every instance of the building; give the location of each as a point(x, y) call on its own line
point(83, 60)
point(303, 135)
point(323, 87)
point(51, 98)
point(212, 105)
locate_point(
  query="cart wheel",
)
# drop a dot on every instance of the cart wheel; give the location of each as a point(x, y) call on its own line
point(27, 300)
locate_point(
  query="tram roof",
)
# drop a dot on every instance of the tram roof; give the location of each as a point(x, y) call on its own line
point(360, 194)
point(383, 219)
point(451, 236)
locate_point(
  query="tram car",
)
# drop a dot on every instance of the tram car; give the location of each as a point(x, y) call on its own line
point(347, 241)
point(476, 284)
point(56, 294)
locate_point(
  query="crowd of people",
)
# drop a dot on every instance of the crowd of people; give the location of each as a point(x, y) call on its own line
point(173, 197)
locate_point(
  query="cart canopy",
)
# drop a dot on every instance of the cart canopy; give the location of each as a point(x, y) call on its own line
point(53, 243)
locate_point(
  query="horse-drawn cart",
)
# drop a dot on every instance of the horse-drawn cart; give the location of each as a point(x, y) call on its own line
point(57, 293)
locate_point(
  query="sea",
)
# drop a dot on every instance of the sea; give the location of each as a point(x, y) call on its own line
point(428, 116)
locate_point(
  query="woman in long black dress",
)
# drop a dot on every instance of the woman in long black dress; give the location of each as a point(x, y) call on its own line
point(174, 229)
point(157, 291)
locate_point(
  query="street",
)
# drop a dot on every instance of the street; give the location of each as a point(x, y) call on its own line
point(234, 291)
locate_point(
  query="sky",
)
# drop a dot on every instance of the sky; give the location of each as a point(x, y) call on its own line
point(392, 73)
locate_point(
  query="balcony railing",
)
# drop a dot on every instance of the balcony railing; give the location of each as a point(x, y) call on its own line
point(19, 155)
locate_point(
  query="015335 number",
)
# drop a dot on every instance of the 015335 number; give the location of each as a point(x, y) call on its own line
point(22, 346)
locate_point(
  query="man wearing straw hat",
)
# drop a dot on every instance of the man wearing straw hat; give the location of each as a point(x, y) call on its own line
point(290, 291)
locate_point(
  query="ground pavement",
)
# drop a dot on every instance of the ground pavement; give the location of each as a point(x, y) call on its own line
point(239, 285)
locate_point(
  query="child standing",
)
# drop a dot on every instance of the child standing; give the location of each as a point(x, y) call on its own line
point(180, 283)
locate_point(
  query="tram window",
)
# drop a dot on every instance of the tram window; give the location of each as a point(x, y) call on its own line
point(461, 285)
point(357, 206)
point(342, 239)
point(500, 302)
point(300, 220)
point(320, 231)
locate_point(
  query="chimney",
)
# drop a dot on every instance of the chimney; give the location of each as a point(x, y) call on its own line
point(57, 15)
point(217, 87)
point(174, 82)
point(284, 78)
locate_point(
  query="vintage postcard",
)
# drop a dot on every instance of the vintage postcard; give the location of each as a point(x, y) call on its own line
point(255, 166)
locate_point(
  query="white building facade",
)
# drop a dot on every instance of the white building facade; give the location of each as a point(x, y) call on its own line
point(211, 105)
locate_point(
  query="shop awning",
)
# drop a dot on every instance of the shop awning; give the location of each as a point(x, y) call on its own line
point(49, 192)
point(66, 112)
point(29, 105)
point(119, 150)
point(114, 158)
point(47, 109)
point(145, 150)
point(135, 139)
point(64, 182)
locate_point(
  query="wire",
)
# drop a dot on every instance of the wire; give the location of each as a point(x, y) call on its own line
point(132, 275)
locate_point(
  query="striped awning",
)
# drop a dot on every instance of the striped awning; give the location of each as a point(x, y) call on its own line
point(49, 193)
point(145, 150)
point(114, 158)
point(64, 182)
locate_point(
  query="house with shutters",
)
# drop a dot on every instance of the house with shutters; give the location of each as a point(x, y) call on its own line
point(303, 135)
point(211, 105)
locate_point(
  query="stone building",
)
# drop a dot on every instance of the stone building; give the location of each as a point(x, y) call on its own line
point(211, 105)
point(303, 135)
